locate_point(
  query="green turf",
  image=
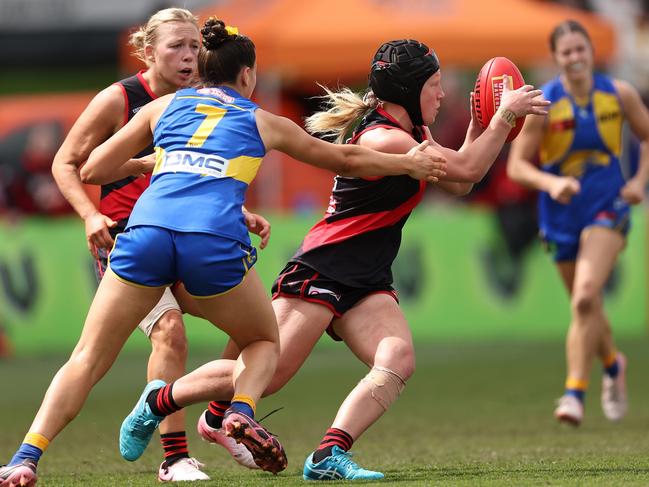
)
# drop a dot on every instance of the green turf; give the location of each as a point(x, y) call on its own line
point(473, 415)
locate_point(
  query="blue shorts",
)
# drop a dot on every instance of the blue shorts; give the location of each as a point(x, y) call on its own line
point(207, 264)
point(615, 219)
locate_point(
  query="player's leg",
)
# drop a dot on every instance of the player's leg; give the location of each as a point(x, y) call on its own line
point(378, 334)
point(213, 433)
point(301, 324)
point(570, 406)
point(165, 328)
point(245, 314)
point(113, 315)
point(599, 250)
point(587, 334)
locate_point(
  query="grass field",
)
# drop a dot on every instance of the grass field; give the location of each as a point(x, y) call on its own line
point(473, 415)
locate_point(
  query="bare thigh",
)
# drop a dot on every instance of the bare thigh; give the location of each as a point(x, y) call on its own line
point(114, 313)
point(301, 324)
point(598, 251)
point(377, 332)
point(185, 300)
point(244, 312)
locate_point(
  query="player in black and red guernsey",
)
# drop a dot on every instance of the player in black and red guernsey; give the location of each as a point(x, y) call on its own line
point(340, 279)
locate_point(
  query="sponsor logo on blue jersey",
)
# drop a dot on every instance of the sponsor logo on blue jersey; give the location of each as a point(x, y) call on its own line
point(193, 162)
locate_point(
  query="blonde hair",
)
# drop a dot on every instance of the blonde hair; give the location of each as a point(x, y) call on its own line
point(147, 33)
point(343, 109)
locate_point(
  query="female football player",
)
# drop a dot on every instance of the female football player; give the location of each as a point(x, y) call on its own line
point(168, 44)
point(584, 203)
point(340, 279)
point(188, 225)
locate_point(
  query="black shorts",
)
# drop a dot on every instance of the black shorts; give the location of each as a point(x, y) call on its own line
point(300, 281)
point(101, 254)
point(101, 262)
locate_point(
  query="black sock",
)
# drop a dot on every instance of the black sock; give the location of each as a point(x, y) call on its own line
point(333, 437)
point(161, 401)
point(215, 412)
point(175, 447)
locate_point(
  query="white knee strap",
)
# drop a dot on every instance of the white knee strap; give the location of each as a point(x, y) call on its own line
point(384, 384)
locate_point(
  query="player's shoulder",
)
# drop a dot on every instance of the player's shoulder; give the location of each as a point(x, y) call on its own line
point(162, 101)
point(106, 109)
point(110, 98)
point(387, 139)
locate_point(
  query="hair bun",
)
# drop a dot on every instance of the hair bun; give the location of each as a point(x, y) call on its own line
point(214, 33)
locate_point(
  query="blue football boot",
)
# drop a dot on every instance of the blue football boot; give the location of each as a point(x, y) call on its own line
point(338, 465)
point(138, 427)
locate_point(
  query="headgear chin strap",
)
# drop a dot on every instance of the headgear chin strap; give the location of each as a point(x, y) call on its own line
point(399, 71)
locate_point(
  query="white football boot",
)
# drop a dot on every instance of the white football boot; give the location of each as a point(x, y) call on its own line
point(614, 400)
point(569, 410)
point(183, 470)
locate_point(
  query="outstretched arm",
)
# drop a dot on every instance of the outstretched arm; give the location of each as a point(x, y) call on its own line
point(345, 159)
point(471, 163)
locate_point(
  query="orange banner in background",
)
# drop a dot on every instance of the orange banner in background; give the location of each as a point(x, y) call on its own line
point(331, 40)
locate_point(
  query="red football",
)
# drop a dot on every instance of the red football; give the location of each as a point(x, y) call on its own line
point(489, 87)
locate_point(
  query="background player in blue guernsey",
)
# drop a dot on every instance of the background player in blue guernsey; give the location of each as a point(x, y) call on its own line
point(584, 203)
point(168, 43)
point(340, 279)
point(188, 225)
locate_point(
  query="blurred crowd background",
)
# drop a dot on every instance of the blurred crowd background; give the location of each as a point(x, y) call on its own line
point(75, 48)
point(57, 54)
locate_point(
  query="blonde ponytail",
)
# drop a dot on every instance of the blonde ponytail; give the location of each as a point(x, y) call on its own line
point(343, 109)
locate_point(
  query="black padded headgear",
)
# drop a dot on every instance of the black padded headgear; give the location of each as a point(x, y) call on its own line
point(399, 71)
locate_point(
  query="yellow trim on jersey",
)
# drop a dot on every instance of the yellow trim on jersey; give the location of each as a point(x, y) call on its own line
point(159, 158)
point(243, 168)
point(37, 440)
point(575, 163)
point(134, 284)
point(555, 144)
point(608, 115)
point(204, 97)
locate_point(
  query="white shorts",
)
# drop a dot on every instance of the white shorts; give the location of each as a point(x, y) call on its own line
point(167, 302)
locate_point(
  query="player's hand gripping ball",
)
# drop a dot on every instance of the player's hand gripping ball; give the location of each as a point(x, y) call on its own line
point(489, 87)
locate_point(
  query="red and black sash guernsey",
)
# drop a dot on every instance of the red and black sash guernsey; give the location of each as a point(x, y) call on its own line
point(119, 197)
point(359, 237)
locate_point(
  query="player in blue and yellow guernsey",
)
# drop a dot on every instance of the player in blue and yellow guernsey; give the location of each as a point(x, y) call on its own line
point(584, 203)
point(168, 43)
point(189, 225)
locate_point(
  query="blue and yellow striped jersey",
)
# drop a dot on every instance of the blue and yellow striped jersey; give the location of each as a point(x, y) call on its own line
point(208, 151)
point(583, 139)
